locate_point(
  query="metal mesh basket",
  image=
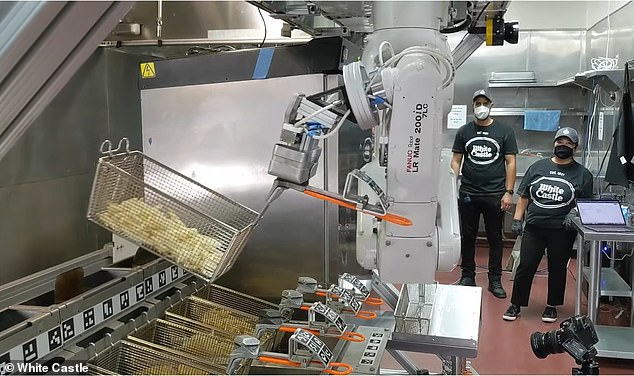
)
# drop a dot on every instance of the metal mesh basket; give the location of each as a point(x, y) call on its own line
point(211, 348)
point(214, 315)
point(127, 358)
point(167, 213)
point(234, 299)
point(414, 308)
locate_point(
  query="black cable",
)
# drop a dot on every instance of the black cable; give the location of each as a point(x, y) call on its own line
point(196, 50)
point(482, 11)
point(604, 156)
point(454, 29)
point(264, 22)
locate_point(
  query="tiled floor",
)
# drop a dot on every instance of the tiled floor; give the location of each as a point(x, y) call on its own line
point(504, 346)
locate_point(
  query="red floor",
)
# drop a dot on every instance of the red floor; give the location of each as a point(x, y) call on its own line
point(505, 346)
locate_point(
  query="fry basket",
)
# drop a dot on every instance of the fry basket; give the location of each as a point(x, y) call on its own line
point(213, 315)
point(128, 358)
point(414, 308)
point(234, 299)
point(167, 213)
point(209, 347)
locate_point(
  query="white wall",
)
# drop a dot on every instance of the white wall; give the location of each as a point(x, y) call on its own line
point(548, 15)
point(597, 10)
point(560, 15)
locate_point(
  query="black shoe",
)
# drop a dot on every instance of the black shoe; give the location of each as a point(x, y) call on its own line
point(511, 313)
point(550, 314)
point(496, 288)
point(467, 281)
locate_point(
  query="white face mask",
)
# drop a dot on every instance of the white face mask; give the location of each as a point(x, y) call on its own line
point(481, 112)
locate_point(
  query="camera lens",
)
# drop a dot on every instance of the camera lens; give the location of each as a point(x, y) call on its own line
point(544, 344)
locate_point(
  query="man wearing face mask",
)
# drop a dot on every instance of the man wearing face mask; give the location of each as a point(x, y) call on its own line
point(547, 197)
point(485, 149)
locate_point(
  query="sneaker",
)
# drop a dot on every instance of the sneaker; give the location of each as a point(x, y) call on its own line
point(467, 281)
point(511, 313)
point(497, 290)
point(550, 314)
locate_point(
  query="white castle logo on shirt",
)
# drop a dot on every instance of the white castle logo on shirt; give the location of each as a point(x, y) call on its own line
point(481, 151)
point(550, 192)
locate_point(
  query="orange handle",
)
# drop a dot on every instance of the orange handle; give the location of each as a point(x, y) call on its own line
point(374, 301)
point(304, 308)
point(323, 293)
point(285, 362)
point(346, 371)
point(289, 329)
point(366, 315)
point(396, 219)
point(352, 337)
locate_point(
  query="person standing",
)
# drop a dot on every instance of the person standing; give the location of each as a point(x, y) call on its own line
point(547, 196)
point(484, 151)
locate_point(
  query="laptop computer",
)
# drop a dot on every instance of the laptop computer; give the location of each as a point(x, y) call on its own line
point(602, 216)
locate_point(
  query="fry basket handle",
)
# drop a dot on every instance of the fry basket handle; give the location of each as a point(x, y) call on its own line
point(106, 147)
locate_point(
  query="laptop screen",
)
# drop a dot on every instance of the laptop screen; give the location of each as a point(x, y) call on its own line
point(598, 212)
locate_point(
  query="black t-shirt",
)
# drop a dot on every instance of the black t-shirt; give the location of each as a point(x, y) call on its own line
point(484, 150)
point(552, 190)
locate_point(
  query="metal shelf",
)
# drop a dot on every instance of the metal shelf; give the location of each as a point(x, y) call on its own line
point(528, 85)
point(611, 283)
point(510, 111)
point(607, 79)
point(615, 341)
point(610, 80)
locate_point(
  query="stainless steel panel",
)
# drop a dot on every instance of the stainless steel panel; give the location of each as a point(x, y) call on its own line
point(456, 313)
point(613, 36)
point(222, 135)
point(454, 327)
point(60, 134)
point(365, 357)
point(345, 153)
point(100, 100)
point(476, 70)
point(555, 54)
point(6, 7)
point(51, 63)
point(44, 224)
point(46, 178)
point(192, 19)
point(123, 100)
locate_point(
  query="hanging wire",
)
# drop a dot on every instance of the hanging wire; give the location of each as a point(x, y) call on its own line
point(264, 22)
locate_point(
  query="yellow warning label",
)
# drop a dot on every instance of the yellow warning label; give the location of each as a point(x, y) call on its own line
point(147, 70)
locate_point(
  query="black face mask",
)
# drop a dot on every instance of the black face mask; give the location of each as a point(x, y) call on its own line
point(563, 151)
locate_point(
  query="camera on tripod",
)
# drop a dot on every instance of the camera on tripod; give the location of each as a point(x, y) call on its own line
point(577, 337)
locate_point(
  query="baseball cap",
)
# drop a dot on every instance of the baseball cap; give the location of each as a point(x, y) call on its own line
point(571, 133)
point(481, 93)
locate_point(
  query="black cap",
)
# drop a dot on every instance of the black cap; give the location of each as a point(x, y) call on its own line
point(571, 133)
point(481, 93)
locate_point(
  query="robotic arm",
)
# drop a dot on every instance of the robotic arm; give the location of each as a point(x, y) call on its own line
point(403, 88)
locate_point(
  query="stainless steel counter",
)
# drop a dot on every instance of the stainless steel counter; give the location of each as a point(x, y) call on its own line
point(614, 342)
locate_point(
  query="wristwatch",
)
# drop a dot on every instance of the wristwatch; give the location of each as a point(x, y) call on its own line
point(510, 191)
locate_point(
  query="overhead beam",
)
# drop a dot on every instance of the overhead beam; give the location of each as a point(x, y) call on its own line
point(44, 44)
